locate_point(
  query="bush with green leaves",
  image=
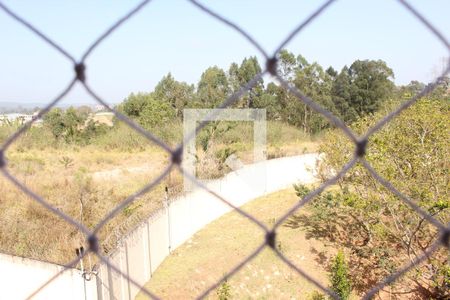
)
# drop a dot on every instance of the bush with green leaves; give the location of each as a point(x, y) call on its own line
point(64, 124)
point(411, 152)
point(73, 125)
point(340, 280)
point(91, 131)
point(301, 190)
point(148, 111)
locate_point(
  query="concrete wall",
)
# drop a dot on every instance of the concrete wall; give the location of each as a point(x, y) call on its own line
point(20, 277)
point(142, 251)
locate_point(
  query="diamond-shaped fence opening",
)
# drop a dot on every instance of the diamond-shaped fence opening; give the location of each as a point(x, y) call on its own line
point(92, 241)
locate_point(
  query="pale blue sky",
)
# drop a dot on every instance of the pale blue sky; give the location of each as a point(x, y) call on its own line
point(174, 36)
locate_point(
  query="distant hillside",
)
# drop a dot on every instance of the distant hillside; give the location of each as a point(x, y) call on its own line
point(29, 107)
point(9, 107)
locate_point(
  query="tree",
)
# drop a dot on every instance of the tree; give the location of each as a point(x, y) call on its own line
point(332, 72)
point(442, 90)
point(362, 88)
point(341, 92)
point(234, 78)
point(270, 100)
point(74, 125)
point(440, 93)
point(73, 121)
point(65, 124)
point(411, 152)
point(134, 104)
point(312, 81)
point(212, 88)
point(239, 76)
point(410, 90)
point(315, 83)
point(91, 130)
point(54, 121)
point(146, 110)
point(340, 281)
point(287, 64)
point(177, 94)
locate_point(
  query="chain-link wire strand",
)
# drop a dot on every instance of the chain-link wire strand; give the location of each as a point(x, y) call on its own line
point(269, 235)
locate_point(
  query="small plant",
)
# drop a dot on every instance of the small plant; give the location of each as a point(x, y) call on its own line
point(301, 190)
point(340, 281)
point(130, 209)
point(66, 162)
point(316, 296)
point(280, 247)
point(224, 291)
point(222, 155)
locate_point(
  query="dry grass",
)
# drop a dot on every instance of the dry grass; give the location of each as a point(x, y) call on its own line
point(217, 248)
point(99, 176)
point(67, 179)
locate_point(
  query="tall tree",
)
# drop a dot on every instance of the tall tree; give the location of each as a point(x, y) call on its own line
point(213, 87)
point(362, 88)
point(287, 64)
point(442, 90)
point(411, 152)
point(332, 72)
point(270, 100)
point(177, 94)
point(315, 83)
point(147, 110)
point(413, 88)
point(239, 76)
point(65, 124)
point(342, 93)
point(234, 77)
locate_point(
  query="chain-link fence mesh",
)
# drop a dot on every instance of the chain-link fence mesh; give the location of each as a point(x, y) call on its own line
point(269, 240)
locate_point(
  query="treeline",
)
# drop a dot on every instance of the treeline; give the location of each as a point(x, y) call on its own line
point(355, 91)
point(350, 93)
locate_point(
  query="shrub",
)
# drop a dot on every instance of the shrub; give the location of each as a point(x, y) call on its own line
point(147, 111)
point(411, 152)
point(316, 296)
point(301, 190)
point(224, 291)
point(66, 161)
point(340, 281)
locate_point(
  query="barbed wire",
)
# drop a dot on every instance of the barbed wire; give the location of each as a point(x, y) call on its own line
point(270, 234)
